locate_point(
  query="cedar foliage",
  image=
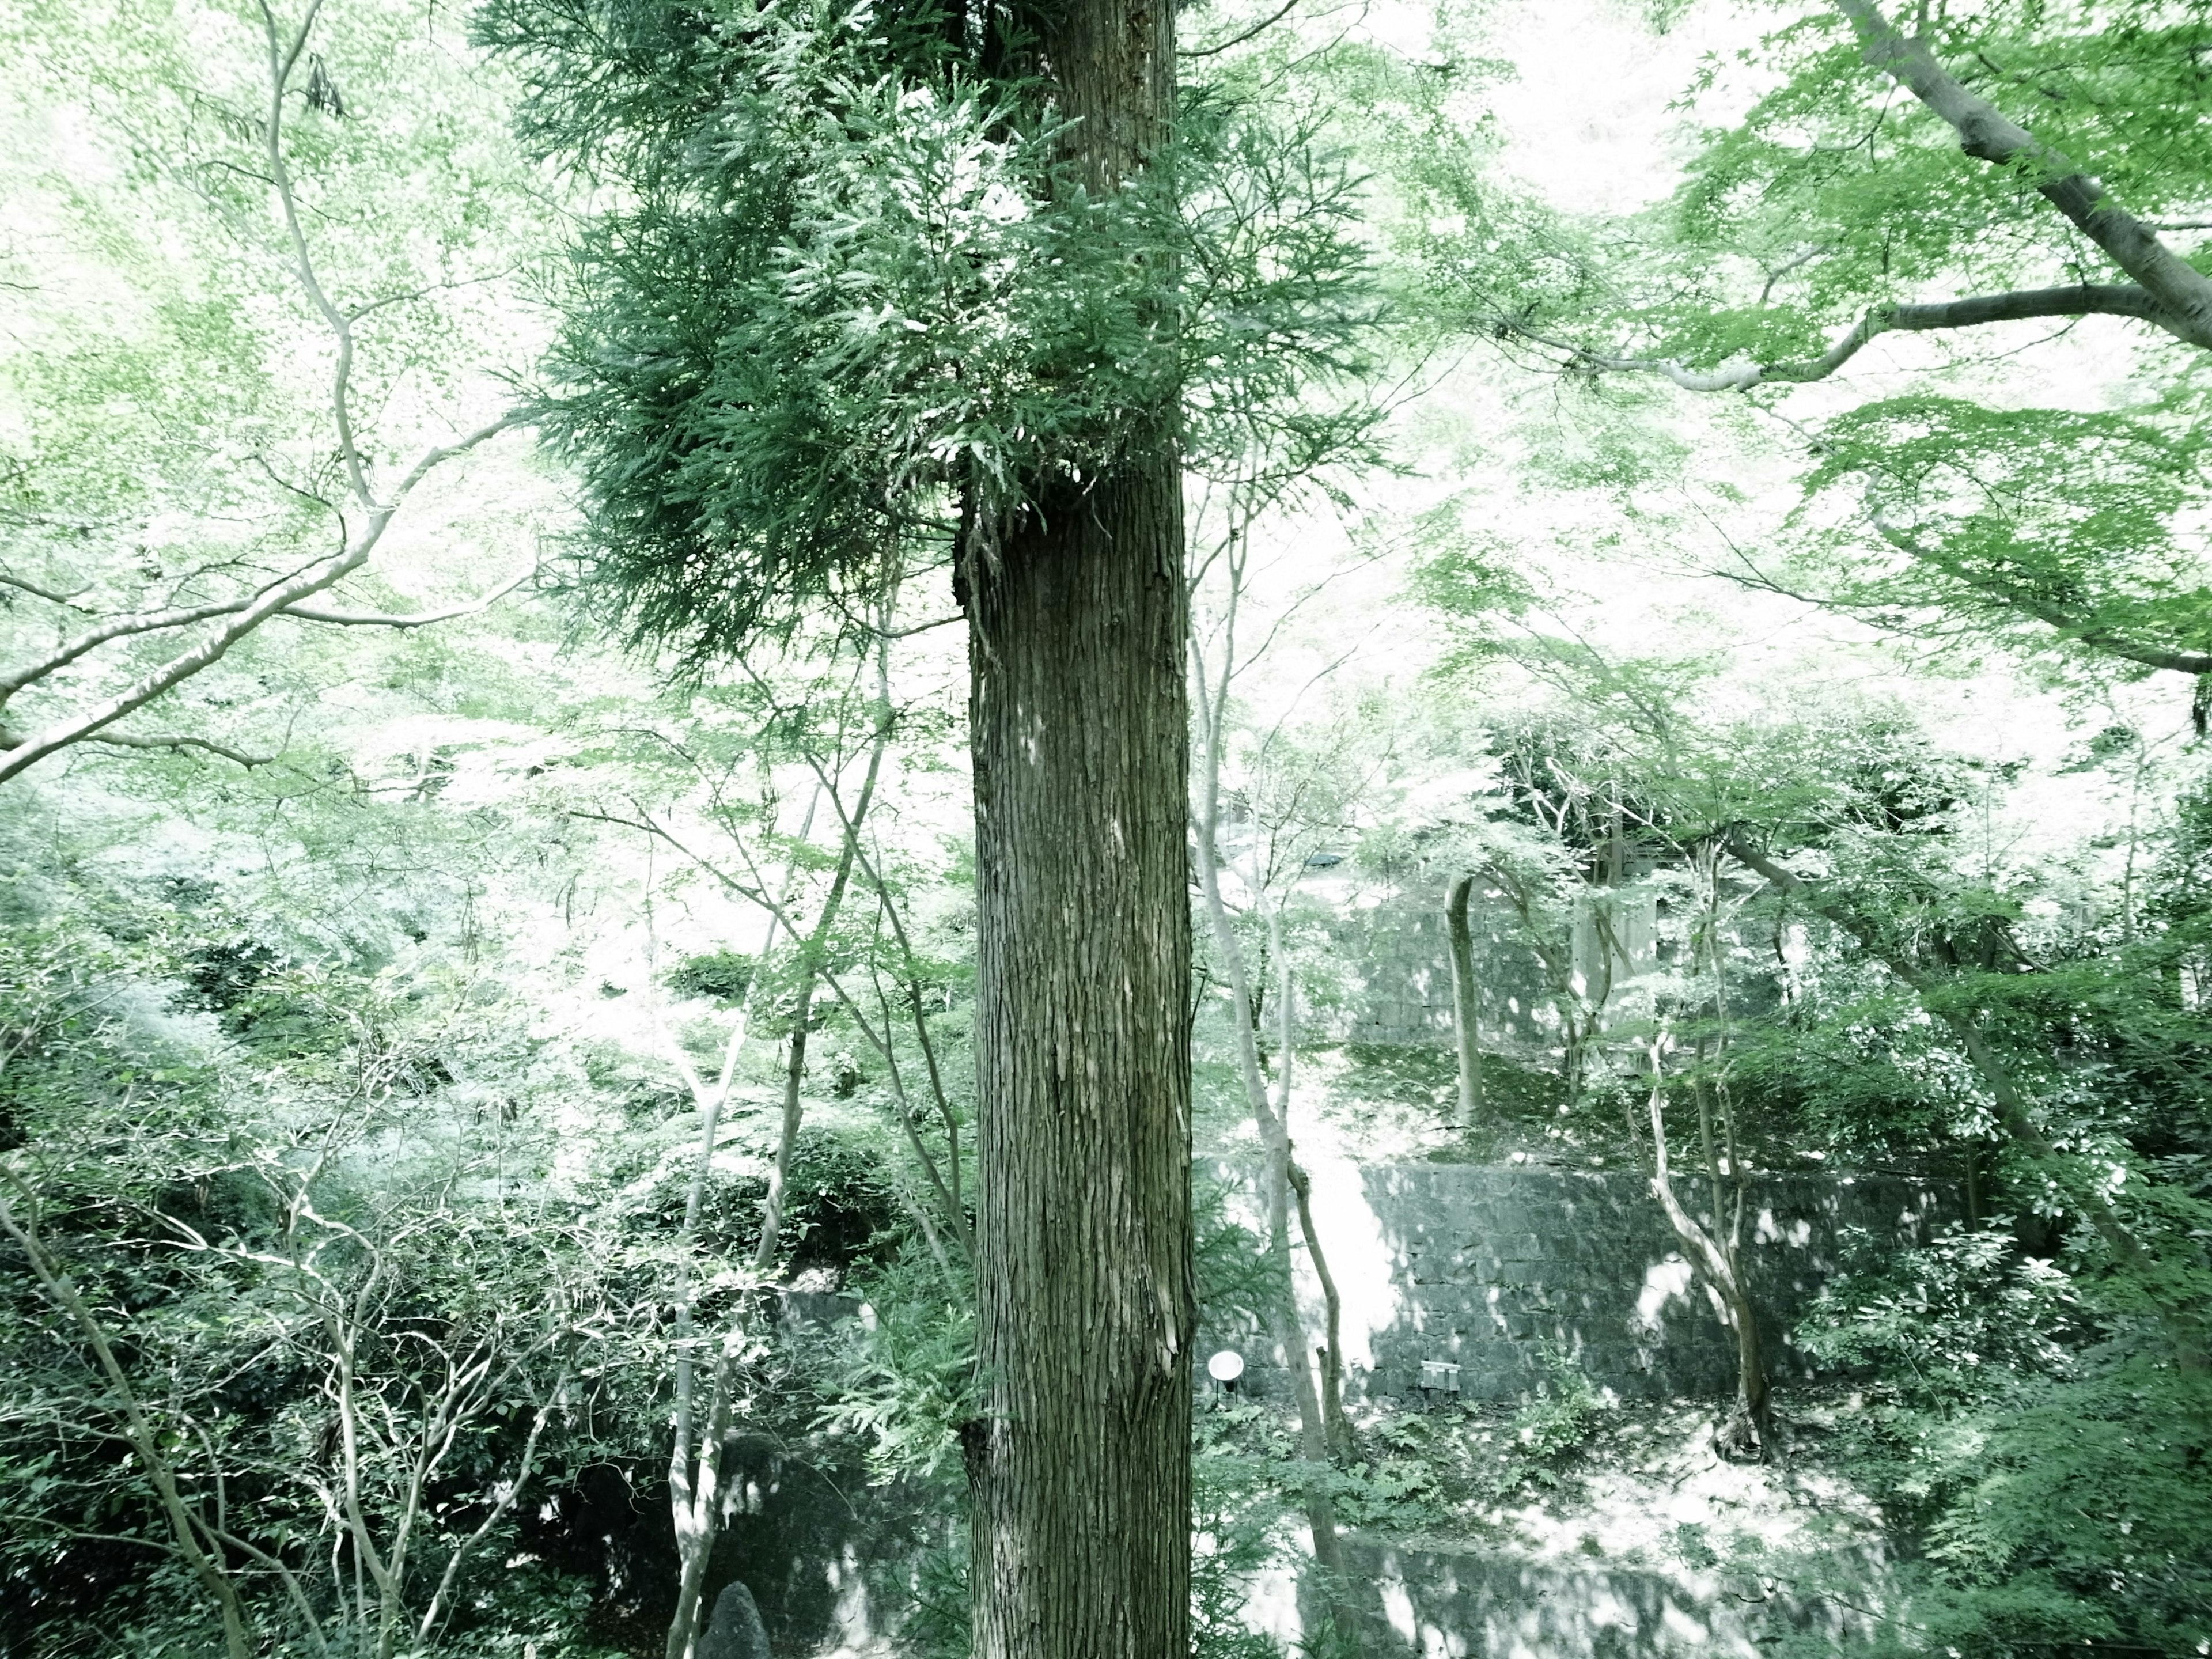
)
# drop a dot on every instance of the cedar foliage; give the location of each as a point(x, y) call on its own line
point(847, 300)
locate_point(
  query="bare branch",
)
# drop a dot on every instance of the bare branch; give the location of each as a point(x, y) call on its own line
point(46, 593)
point(302, 584)
point(2082, 300)
point(424, 619)
point(281, 61)
point(122, 740)
point(1239, 39)
point(151, 622)
point(317, 577)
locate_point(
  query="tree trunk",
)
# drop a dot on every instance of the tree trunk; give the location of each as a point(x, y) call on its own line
point(1749, 1428)
point(810, 968)
point(1335, 1431)
point(1287, 1325)
point(1463, 966)
point(1086, 1309)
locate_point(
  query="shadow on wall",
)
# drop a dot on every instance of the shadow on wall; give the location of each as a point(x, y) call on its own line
point(1471, 1279)
point(1453, 1604)
point(1491, 1270)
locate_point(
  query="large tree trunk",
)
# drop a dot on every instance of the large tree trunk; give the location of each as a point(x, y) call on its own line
point(1079, 617)
point(1081, 1460)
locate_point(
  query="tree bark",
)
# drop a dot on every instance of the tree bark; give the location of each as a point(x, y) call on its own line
point(1749, 1430)
point(1463, 1015)
point(1078, 617)
point(1080, 1463)
point(2182, 294)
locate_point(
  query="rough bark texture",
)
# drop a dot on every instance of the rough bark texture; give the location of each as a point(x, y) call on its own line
point(1081, 1462)
point(1078, 620)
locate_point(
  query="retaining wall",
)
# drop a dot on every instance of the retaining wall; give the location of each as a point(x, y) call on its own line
point(1491, 1270)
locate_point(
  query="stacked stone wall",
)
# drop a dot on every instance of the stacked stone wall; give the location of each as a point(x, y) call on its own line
point(1395, 985)
point(1500, 1272)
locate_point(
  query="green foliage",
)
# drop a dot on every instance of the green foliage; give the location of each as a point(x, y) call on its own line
point(722, 976)
point(1831, 158)
point(2051, 529)
point(1957, 1321)
point(859, 294)
point(1557, 1420)
point(2054, 1480)
point(1234, 1514)
point(907, 1381)
point(172, 418)
point(1239, 1282)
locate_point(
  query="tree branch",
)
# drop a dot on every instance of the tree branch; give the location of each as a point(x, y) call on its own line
point(50, 595)
point(2192, 663)
point(302, 584)
point(384, 619)
point(2081, 299)
point(124, 741)
point(2182, 294)
point(152, 622)
point(281, 61)
point(1258, 28)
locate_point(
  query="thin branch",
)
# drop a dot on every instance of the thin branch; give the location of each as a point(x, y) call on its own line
point(281, 62)
point(302, 584)
point(121, 740)
point(374, 305)
point(2081, 299)
point(1258, 28)
point(462, 1549)
point(424, 619)
point(1784, 270)
point(2097, 638)
point(46, 593)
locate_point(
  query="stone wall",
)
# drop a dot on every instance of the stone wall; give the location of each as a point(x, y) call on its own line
point(1494, 1270)
point(1393, 962)
point(1436, 1601)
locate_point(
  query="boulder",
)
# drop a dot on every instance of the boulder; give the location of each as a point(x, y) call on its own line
point(734, 1632)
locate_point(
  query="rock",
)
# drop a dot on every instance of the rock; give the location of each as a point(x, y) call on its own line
point(734, 1632)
